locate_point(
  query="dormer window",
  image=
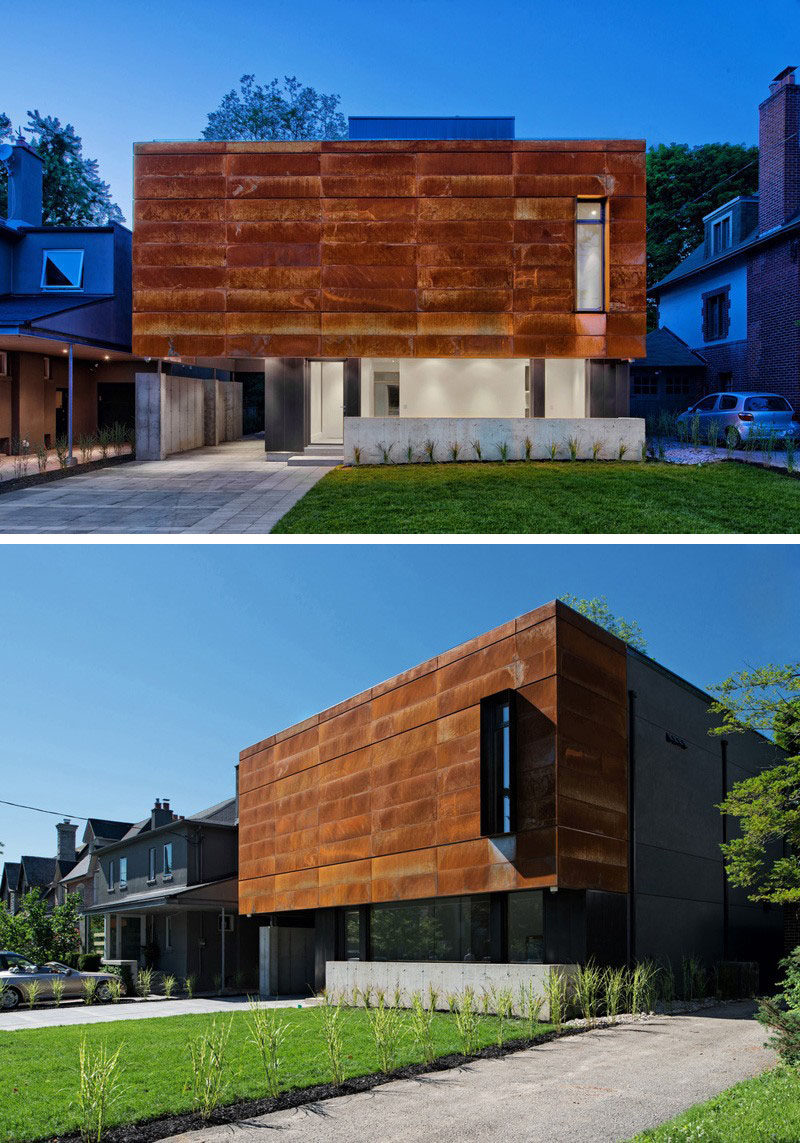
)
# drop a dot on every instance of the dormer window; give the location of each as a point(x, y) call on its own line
point(720, 234)
point(62, 270)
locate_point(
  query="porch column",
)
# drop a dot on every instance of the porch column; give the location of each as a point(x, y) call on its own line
point(118, 942)
point(222, 947)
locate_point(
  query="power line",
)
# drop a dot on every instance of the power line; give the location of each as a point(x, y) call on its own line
point(39, 810)
point(741, 170)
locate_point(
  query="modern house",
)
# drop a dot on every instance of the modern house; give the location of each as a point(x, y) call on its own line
point(65, 307)
point(424, 278)
point(736, 298)
point(540, 794)
point(167, 893)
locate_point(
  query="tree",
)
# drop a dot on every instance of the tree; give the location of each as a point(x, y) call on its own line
point(765, 858)
point(38, 934)
point(599, 612)
point(73, 194)
point(275, 111)
point(683, 184)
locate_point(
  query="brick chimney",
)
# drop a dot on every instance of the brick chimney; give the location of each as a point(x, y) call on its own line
point(66, 832)
point(779, 152)
point(160, 814)
point(25, 172)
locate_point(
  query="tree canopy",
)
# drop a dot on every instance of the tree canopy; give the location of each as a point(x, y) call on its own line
point(765, 858)
point(683, 184)
point(73, 194)
point(599, 612)
point(276, 110)
point(38, 934)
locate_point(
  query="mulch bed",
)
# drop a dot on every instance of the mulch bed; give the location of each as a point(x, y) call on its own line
point(164, 1126)
point(52, 474)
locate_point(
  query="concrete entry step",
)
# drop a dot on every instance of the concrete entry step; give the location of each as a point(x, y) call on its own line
point(324, 449)
point(321, 460)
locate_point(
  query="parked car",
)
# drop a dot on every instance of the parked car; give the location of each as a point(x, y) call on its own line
point(17, 972)
point(759, 414)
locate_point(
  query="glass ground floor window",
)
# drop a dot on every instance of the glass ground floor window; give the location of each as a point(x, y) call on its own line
point(486, 927)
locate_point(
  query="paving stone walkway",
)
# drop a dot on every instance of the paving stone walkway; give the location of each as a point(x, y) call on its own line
point(230, 489)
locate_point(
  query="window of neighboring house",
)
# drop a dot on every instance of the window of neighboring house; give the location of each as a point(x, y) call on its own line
point(111, 876)
point(123, 873)
point(678, 385)
point(716, 310)
point(62, 270)
point(498, 793)
point(168, 933)
point(168, 859)
point(590, 239)
point(151, 864)
point(644, 385)
point(721, 234)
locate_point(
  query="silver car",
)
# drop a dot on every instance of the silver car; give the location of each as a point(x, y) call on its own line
point(17, 972)
point(750, 414)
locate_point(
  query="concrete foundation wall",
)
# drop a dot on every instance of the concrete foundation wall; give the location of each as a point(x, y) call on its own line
point(368, 433)
point(342, 976)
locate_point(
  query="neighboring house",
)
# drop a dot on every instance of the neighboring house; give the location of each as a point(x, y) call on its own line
point(420, 277)
point(80, 879)
point(670, 377)
point(540, 794)
point(167, 892)
point(736, 298)
point(8, 885)
point(65, 303)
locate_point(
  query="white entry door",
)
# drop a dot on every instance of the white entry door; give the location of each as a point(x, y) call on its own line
point(327, 400)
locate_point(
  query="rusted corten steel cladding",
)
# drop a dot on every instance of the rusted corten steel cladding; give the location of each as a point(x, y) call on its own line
point(375, 249)
point(378, 798)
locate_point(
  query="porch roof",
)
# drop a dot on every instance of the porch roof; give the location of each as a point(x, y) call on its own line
point(209, 895)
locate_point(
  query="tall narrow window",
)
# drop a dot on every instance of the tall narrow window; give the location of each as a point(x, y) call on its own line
point(498, 792)
point(590, 261)
point(110, 875)
point(151, 864)
point(123, 873)
point(168, 859)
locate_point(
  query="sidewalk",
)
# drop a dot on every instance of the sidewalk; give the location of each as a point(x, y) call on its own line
point(23, 1018)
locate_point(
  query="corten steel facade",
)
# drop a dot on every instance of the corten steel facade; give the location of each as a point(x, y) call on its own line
point(383, 249)
point(379, 800)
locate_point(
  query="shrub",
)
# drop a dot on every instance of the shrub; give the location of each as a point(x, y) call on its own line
point(98, 1088)
point(57, 988)
point(572, 447)
point(115, 989)
point(356, 455)
point(791, 451)
point(41, 457)
point(467, 1022)
point(169, 984)
point(33, 991)
point(694, 978)
point(713, 435)
point(623, 448)
point(104, 441)
point(429, 448)
point(385, 451)
point(422, 1028)
point(119, 437)
point(144, 982)
point(455, 449)
point(384, 1023)
point(530, 1006)
point(409, 453)
point(20, 450)
point(189, 984)
point(90, 990)
point(502, 450)
point(62, 447)
point(268, 1032)
point(642, 986)
point(433, 997)
point(614, 988)
point(207, 1053)
point(89, 962)
point(596, 449)
point(552, 448)
point(666, 981)
point(694, 429)
point(785, 1027)
point(730, 439)
point(86, 445)
point(735, 979)
point(332, 1035)
point(476, 444)
point(504, 1007)
point(588, 985)
point(555, 986)
point(528, 448)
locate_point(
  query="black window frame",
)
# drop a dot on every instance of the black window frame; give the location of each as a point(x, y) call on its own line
point(601, 222)
point(494, 791)
point(716, 314)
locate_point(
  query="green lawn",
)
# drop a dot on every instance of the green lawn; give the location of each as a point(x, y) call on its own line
point(563, 497)
point(39, 1068)
point(761, 1110)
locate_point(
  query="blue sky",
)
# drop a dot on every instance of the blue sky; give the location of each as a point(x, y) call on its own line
point(131, 672)
point(141, 69)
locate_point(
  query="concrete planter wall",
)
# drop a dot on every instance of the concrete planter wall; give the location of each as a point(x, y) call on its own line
point(370, 433)
point(342, 976)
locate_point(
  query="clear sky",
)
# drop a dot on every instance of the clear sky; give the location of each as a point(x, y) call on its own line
point(135, 70)
point(131, 672)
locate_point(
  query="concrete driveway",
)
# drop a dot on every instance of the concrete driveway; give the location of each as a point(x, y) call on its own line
point(230, 489)
point(599, 1086)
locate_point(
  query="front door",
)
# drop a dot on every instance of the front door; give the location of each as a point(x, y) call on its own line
point(327, 401)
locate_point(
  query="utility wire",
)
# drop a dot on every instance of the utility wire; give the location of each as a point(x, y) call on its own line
point(39, 810)
point(746, 167)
